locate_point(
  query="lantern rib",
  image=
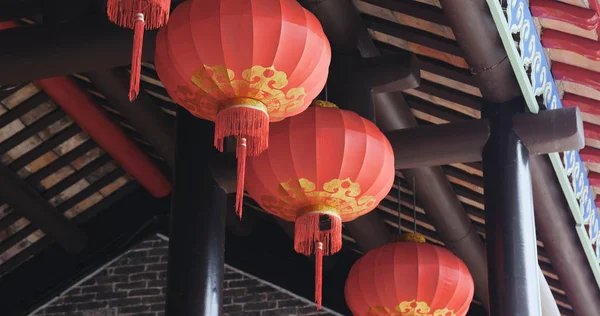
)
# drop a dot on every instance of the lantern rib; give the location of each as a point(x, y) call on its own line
point(436, 300)
point(362, 168)
point(456, 288)
point(419, 257)
point(304, 55)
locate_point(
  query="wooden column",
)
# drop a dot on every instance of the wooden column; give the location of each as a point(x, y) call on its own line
point(197, 228)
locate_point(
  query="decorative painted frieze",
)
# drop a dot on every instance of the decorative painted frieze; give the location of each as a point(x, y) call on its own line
point(522, 42)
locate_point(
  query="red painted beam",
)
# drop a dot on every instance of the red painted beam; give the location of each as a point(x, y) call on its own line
point(553, 10)
point(586, 105)
point(576, 75)
point(590, 154)
point(591, 131)
point(82, 108)
point(583, 46)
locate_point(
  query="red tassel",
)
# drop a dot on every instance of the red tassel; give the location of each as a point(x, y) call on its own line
point(241, 174)
point(136, 57)
point(243, 121)
point(307, 233)
point(319, 274)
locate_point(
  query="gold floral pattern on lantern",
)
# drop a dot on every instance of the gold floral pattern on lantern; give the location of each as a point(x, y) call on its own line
point(218, 83)
point(409, 308)
point(341, 196)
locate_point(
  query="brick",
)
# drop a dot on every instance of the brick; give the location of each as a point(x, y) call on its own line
point(261, 289)
point(137, 254)
point(157, 267)
point(309, 309)
point(88, 306)
point(157, 283)
point(157, 307)
point(131, 285)
point(290, 311)
point(232, 276)
point(129, 269)
point(124, 302)
point(91, 281)
point(153, 299)
point(233, 308)
point(112, 279)
point(291, 303)
point(78, 299)
point(144, 260)
point(74, 291)
point(259, 306)
point(134, 309)
point(144, 292)
point(242, 283)
point(250, 298)
point(278, 296)
point(158, 252)
point(143, 276)
point(97, 289)
point(110, 295)
point(234, 292)
point(248, 313)
point(60, 309)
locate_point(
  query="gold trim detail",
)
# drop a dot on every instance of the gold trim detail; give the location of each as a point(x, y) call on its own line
point(409, 308)
point(324, 104)
point(296, 197)
point(218, 83)
point(246, 102)
point(410, 237)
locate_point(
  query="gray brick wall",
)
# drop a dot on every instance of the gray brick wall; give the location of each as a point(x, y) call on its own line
point(135, 284)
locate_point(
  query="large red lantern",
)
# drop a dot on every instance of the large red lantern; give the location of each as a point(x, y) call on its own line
point(409, 278)
point(243, 64)
point(325, 163)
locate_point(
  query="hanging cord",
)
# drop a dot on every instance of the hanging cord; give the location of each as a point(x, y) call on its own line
point(414, 205)
point(399, 206)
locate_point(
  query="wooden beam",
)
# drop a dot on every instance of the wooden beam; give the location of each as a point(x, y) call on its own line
point(23, 199)
point(549, 131)
point(43, 51)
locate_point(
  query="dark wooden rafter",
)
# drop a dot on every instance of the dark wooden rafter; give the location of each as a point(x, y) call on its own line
point(153, 124)
point(80, 106)
point(23, 199)
point(107, 46)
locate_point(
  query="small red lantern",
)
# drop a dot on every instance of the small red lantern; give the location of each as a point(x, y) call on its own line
point(323, 163)
point(409, 278)
point(138, 15)
point(243, 64)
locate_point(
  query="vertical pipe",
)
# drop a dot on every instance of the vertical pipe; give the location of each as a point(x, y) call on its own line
point(510, 225)
point(197, 228)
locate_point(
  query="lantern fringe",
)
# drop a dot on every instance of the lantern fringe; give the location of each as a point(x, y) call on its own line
point(243, 121)
point(136, 57)
point(123, 12)
point(241, 174)
point(307, 233)
point(319, 275)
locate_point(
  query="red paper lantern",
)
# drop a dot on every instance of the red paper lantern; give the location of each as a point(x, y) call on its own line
point(323, 163)
point(138, 15)
point(409, 278)
point(243, 64)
